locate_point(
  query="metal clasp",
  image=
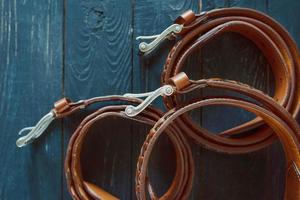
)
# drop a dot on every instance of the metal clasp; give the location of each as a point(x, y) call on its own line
point(35, 131)
point(132, 111)
point(157, 39)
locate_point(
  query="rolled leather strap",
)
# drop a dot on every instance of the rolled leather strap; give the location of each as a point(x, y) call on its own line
point(285, 127)
point(223, 144)
point(269, 36)
point(82, 189)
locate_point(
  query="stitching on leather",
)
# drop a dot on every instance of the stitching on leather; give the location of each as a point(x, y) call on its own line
point(145, 148)
point(149, 137)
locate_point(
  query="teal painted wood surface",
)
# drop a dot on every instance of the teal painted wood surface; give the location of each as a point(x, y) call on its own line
point(30, 80)
point(87, 48)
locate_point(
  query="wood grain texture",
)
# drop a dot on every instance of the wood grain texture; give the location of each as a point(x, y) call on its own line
point(286, 13)
point(87, 48)
point(30, 80)
point(98, 62)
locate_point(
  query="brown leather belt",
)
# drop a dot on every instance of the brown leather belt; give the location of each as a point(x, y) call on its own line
point(276, 117)
point(275, 43)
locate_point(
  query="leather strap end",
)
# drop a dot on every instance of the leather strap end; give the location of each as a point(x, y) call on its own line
point(62, 105)
point(180, 81)
point(186, 18)
point(97, 192)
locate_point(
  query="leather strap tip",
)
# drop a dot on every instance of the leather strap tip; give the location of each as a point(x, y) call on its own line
point(180, 81)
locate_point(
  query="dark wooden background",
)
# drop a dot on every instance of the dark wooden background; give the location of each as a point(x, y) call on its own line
point(80, 49)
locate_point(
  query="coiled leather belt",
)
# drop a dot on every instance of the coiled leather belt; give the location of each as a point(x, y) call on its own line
point(275, 116)
point(82, 189)
point(194, 31)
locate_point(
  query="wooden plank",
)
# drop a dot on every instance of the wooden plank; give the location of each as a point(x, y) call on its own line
point(30, 65)
point(249, 176)
point(286, 13)
point(150, 19)
point(98, 62)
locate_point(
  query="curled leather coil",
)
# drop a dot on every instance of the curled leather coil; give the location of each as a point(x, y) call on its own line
point(82, 189)
point(275, 43)
point(281, 122)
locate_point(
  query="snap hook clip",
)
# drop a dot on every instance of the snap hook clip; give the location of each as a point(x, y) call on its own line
point(132, 111)
point(35, 131)
point(157, 39)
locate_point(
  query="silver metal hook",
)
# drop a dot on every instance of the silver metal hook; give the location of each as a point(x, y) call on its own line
point(35, 131)
point(157, 39)
point(132, 111)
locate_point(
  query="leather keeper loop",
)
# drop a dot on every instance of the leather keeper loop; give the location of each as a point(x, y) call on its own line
point(186, 18)
point(180, 80)
point(62, 105)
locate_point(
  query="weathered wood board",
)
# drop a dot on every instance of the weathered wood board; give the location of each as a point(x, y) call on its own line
point(87, 48)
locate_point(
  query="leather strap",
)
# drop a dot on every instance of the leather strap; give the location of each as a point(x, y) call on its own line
point(288, 135)
point(80, 188)
point(223, 144)
point(84, 190)
point(270, 37)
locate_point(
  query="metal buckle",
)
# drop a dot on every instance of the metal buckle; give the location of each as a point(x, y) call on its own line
point(148, 47)
point(132, 111)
